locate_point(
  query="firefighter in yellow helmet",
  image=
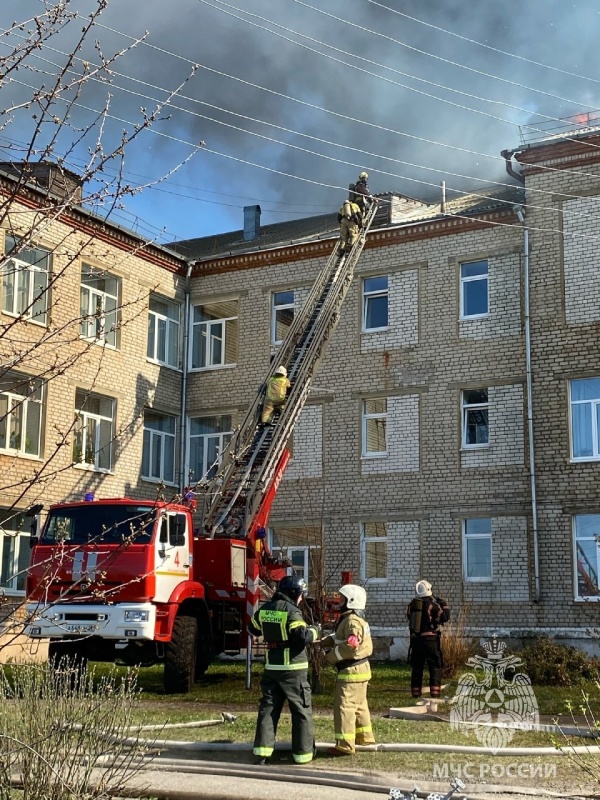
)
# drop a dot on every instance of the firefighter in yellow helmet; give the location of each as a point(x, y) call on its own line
point(351, 219)
point(275, 394)
point(351, 647)
point(361, 194)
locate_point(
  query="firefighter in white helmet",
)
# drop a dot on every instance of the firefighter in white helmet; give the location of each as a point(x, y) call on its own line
point(275, 394)
point(351, 647)
point(426, 613)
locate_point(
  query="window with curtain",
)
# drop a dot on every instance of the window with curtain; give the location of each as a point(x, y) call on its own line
point(21, 414)
point(100, 312)
point(214, 334)
point(374, 427)
point(474, 289)
point(584, 399)
point(586, 540)
point(25, 281)
point(477, 550)
point(163, 331)
point(158, 455)
point(207, 438)
point(94, 431)
point(374, 557)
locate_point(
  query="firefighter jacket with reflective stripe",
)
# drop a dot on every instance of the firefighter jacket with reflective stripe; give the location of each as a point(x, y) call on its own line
point(352, 645)
point(277, 387)
point(281, 624)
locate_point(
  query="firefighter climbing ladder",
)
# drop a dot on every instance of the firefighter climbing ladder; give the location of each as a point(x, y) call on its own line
point(249, 465)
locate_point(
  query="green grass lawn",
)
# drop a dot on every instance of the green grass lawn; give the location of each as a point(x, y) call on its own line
point(223, 688)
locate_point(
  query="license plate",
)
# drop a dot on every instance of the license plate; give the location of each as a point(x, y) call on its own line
point(80, 628)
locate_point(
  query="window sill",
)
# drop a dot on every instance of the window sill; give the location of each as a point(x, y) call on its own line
point(212, 368)
point(92, 468)
point(147, 479)
point(477, 581)
point(163, 364)
point(371, 456)
point(595, 599)
point(474, 316)
point(10, 451)
point(93, 340)
point(475, 447)
point(22, 318)
point(375, 330)
point(585, 460)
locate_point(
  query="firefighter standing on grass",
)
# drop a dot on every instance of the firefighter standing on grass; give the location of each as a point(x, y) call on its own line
point(351, 647)
point(280, 622)
point(426, 614)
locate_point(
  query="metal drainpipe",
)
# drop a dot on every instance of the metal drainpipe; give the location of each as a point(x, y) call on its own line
point(534, 515)
point(185, 360)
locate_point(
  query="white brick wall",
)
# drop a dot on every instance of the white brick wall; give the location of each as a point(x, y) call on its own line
point(403, 562)
point(509, 565)
point(403, 314)
point(307, 459)
point(402, 438)
point(504, 292)
point(506, 426)
point(582, 277)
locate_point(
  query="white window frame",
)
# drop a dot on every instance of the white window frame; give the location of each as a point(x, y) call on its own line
point(87, 420)
point(20, 406)
point(275, 307)
point(21, 275)
point(366, 416)
point(467, 279)
point(210, 330)
point(588, 538)
point(163, 327)
point(476, 536)
point(365, 540)
point(163, 440)
point(93, 304)
point(594, 405)
point(466, 407)
point(372, 294)
point(20, 550)
point(220, 437)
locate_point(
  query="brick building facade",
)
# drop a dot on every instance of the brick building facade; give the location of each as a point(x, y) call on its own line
point(411, 458)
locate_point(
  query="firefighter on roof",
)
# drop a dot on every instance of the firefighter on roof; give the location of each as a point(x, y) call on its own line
point(426, 614)
point(280, 622)
point(361, 194)
point(351, 647)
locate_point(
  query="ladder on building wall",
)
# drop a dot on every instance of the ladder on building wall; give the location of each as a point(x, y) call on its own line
point(249, 464)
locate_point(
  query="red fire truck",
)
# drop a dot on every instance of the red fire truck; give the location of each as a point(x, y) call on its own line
point(142, 582)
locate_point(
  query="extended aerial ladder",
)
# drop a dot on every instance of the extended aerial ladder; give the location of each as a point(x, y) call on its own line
point(237, 500)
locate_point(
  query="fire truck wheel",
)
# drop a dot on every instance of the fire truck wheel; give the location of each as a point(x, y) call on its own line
point(180, 656)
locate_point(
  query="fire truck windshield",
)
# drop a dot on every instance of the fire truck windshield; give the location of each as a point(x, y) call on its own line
point(95, 523)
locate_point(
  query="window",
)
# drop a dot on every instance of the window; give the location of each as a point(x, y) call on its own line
point(208, 438)
point(94, 426)
point(477, 550)
point(301, 546)
point(587, 542)
point(475, 423)
point(158, 457)
point(102, 524)
point(374, 551)
point(21, 405)
point(15, 553)
point(214, 334)
point(375, 303)
point(99, 306)
point(25, 282)
point(374, 425)
point(585, 418)
point(282, 315)
point(474, 289)
point(163, 332)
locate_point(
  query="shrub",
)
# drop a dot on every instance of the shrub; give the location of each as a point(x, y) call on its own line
point(457, 647)
point(548, 662)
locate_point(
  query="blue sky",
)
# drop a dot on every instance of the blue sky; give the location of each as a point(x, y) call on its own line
point(292, 99)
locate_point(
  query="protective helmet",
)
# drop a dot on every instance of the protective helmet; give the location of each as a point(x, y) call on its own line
point(423, 589)
point(356, 597)
point(281, 371)
point(363, 176)
point(292, 586)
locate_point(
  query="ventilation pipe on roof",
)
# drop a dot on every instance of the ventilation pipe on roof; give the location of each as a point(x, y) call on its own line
point(251, 223)
point(519, 211)
point(443, 199)
point(507, 156)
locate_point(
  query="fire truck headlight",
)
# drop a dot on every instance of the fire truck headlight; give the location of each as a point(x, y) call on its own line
point(137, 616)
